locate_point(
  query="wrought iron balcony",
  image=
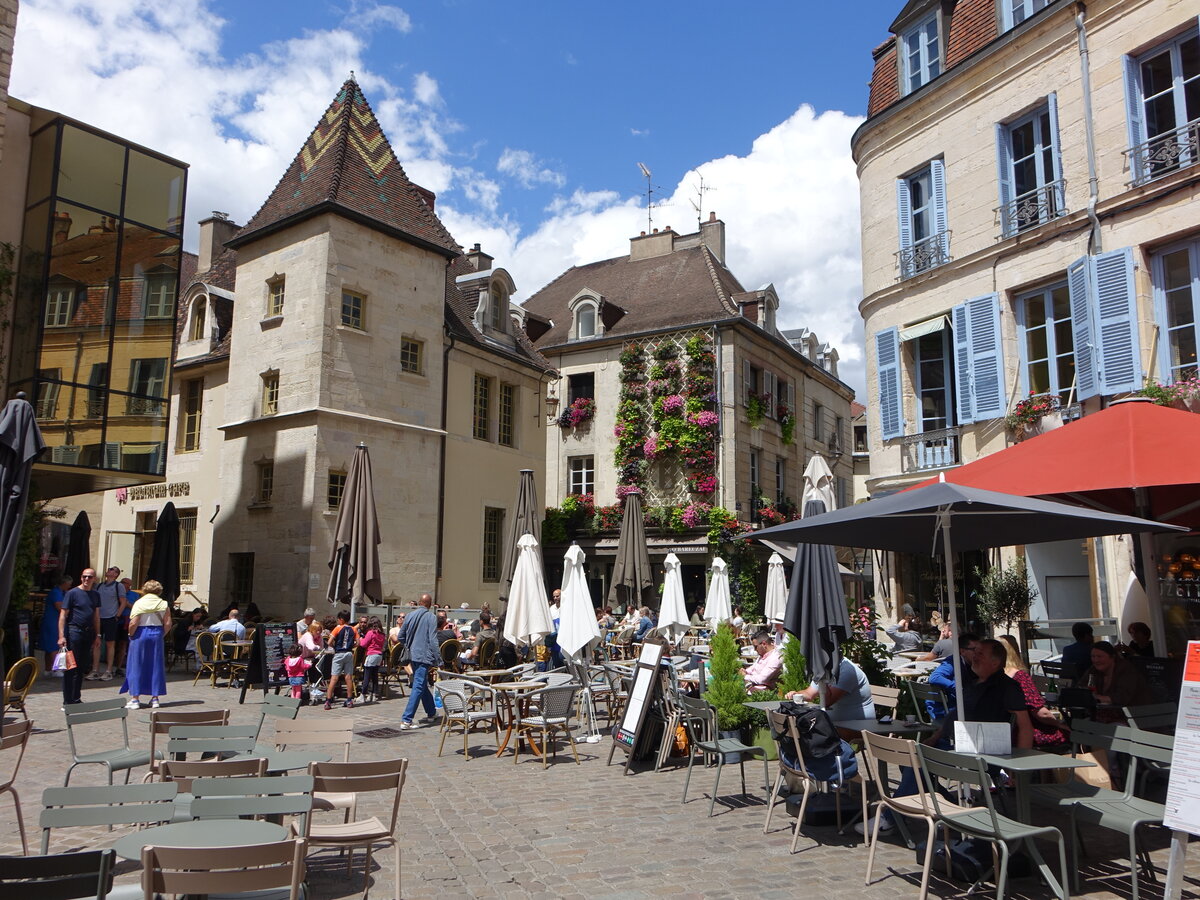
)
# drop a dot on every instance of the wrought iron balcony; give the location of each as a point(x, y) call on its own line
point(1033, 208)
point(927, 253)
point(930, 450)
point(141, 406)
point(1165, 153)
point(95, 407)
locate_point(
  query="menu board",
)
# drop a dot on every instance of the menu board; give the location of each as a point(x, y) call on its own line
point(1183, 790)
point(629, 734)
point(267, 653)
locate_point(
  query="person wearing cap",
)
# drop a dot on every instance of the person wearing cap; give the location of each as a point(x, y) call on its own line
point(305, 621)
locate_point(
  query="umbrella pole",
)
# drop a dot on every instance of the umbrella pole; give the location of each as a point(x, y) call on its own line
point(948, 563)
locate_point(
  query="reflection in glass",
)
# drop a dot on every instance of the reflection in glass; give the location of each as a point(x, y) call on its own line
point(137, 434)
point(27, 296)
point(91, 169)
point(41, 165)
point(155, 194)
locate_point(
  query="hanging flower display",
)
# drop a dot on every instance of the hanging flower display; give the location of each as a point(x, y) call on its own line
point(580, 410)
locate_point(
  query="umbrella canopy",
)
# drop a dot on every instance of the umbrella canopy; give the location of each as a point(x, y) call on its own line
point(527, 519)
point(354, 562)
point(718, 607)
point(631, 576)
point(528, 615)
point(79, 544)
point(816, 605)
point(577, 626)
point(672, 614)
point(818, 484)
point(775, 601)
point(20, 445)
point(164, 559)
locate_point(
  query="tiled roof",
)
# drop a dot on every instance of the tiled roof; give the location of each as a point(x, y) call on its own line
point(460, 309)
point(670, 291)
point(348, 167)
point(856, 409)
point(220, 274)
point(885, 80)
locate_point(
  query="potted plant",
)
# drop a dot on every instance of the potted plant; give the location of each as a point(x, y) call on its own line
point(726, 689)
point(1005, 594)
point(1034, 415)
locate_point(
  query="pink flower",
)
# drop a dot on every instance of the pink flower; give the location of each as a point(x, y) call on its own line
point(650, 447)
point(673, 403)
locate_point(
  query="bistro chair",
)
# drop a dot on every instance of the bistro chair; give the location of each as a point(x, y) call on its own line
point(63, 876)
point(183, 773)
point(700, 721)
point(555, 706)
point(456, 711)
point(485, 655)
point(323, 732)
point(116, 804)
point(212, 740)
point(234, 660)
point(207, 659)
point(254, 798)
point(17, 682)
point(161, 723)
point(274, 871)
point(281, 708)
point(13, 740)
point(1152, 716)
point(79, 715)
point(394, 673)
point(450, 650)
point(922, 694)
point(886, 699)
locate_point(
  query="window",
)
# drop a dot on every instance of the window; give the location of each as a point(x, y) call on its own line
point(191, 404)
point(241, 579)
point(978, 370)
point(1162, 92)
point(755, 481)
point(482, 408)
point(411, 355)
point(585, 320)
point(581, 385)
point(493, 532)
point(353, 306)
point(46, 406)
point(187, 545)
point(921, 207)
point(270, 393)
point(581, 475)
point(818, 422)
point(58, 306)
point(931, 357)
point(780, 480)
point(498, 307)
point(1014, 12)
point(97, 382)
point(275, 293)
point(921, 54)
point(264, 481)
point(1030, 171)
point(751, 378)
point(1047, 342)
point(860, 439)
point(148, 376)
point(335, 488)
point(1176, 273)
point(839, 433)
point(199, 315)
point(770, 387)
point(160, 295)
point(506, 419)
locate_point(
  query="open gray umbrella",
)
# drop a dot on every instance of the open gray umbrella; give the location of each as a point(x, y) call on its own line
point(527, 519)
point(20, 445)
point(354, 562)
point(631, 576)
point(952, 518)
point(164, 559)
point(79, 547)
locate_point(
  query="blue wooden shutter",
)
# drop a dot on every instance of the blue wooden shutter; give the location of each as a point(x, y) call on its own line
point(937, 189)
point(1119, 358)
point(1079, 289)
point(1004, 178)
point(1133, 115)
point(987, 357)
point(747, 382)
point(904, 213)
point(1052, 110)
point(961, 328)
point(887, 372)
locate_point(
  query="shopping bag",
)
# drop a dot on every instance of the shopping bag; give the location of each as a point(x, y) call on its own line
point(64, 661)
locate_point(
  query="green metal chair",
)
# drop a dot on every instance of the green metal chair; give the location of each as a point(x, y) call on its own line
point(237, 798)
point(920, 692)
point(117, 804)
point(983, 821)
point(183, 773)
point(277, 706)
point(211, 740)
point(163, 720)
point(63, 876)
point(1152, 716)
point(700, 720)
point(124, 757)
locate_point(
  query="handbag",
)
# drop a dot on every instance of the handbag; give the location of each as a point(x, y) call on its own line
point(64, 661)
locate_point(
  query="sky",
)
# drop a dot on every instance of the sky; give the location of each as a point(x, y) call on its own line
point(528, 119)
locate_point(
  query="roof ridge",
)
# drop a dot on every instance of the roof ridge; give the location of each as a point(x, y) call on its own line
point(710, 262)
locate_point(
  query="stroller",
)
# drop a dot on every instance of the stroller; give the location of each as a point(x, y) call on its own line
point(318, 678)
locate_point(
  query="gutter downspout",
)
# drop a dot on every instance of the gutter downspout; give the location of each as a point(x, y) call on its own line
point(1095, 244)
point(441, 508)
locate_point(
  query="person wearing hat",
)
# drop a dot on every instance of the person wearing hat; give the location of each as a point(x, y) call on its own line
point(307, 619)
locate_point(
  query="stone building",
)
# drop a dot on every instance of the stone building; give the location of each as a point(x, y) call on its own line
point(1028, 192)
point(344, 312)
point(677, 380)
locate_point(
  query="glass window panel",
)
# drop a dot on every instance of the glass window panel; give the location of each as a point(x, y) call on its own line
point(28, 294)
point(1061, 300)
point(41, 165)
point(1191, 99)
point(135, 439)
point(1022, 140)
point(1035, 312)
point(1179, 308)
point(1064, 339)
point(145, 307)
point(1066, 373)
point(1156, 74)
point(91, 169)
point(1160, 115)
point(1036, 345)
point(1189, 57)
point(1177, 269)
point(1183, 347)
point(155, 193)
point(933, 375)
point(1039, 377)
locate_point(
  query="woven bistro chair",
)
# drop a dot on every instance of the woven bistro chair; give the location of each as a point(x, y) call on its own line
point(555, 706)
point(20, 679)
point(457, 712)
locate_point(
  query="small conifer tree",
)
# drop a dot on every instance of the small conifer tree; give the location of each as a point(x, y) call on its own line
point(726, 689)
point(795, 676)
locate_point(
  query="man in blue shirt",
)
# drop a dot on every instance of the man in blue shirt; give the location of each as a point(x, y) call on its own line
point(943, 675)
point(78, 628)
point(1078, 656)
point(231, 625)
point(419, 635)
point(645, 624)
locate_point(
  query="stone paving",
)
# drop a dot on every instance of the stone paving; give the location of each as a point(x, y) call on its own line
point(485, 827)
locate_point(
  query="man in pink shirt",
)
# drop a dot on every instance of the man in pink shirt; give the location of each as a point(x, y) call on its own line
point(764, 672)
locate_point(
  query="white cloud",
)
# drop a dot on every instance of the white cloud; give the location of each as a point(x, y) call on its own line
point(371, 15)
point(527, 169)
point(425, 89)
point(639, 132)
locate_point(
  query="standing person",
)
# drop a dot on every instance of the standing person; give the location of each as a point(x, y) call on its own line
point(419, 635)
point(131, 597)
point(112, 604)
point(48, 632)
point(78, 627)
point(295, 665)
point(342, 640)
point(149, 619)
point(372, 644)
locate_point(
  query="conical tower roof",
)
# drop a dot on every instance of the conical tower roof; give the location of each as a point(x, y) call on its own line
point(348, 167)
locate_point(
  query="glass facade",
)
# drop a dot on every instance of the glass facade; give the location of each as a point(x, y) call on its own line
point(94, 328)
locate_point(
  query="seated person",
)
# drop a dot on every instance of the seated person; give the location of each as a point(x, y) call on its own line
point(232, 624)
point(944, 646)
point(1049, 733)
point(905, 634)
point(486, 632)
point(1115, 682)
point(1140, 643)
point(697, 619)
point(943, 675)
point(645, 624)
point(1077, 657)
point(445, 630)
point(764, 672)
point(847, 698)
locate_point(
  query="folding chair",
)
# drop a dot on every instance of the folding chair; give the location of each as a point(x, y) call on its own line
point(118, 758)
point(13, 740)
point(210, 740)
point(335, 732)
point(183, 773)
point(700, 720)
point(162, 721)
point(254, 798)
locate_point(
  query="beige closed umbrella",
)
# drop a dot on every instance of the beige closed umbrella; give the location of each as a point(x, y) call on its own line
point(354, 562)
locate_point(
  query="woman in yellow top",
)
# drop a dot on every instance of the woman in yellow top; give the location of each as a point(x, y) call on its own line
point(145, 668)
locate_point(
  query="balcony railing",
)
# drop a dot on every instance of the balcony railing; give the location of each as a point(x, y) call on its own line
point(141, 406)
point(1165, 153)
point(1033, 208)
point(930, 450)
point(925, 254)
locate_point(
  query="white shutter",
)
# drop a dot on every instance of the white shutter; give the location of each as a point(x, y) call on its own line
point(963, 397)
point(887, 373)
point(768, 389)
point(1119, 358)
point(1133, 116)
point(791, 397)
point(904, 213)
point(747, 382)
point(1078, 287)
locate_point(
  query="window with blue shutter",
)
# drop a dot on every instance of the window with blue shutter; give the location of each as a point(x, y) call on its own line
point(978, 359)
point(1176, 274)
point(1104, 322)
point(941, 220)
point(1045, 343)
point(1078, 280)
point(1029, 170)
point(923, 220)
point(1162, 104)
point(887, 374)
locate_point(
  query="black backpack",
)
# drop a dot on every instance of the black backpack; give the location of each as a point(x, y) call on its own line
point(819, 738)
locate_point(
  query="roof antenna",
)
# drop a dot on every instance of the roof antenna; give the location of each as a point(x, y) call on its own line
point(698, 203)
point(649, 199)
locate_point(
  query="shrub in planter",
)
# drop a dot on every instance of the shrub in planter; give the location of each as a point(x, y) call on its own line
point(726, 689)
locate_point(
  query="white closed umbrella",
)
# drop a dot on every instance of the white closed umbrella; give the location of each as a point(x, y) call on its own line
point(818, 484)
point(775, 604)
point(672, 612)
point(577, 627)
point(528, 615)
point(718, 607)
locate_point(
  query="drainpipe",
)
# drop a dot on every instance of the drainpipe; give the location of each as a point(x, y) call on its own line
point(1095, 245)
point(441, 509)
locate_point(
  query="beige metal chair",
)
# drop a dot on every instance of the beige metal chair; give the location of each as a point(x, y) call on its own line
point(886, 699)
point(335, 732)
point(270, 871)
point(13, 739)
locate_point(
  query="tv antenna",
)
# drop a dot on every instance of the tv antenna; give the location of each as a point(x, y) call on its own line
point(698, 203)
point(649, 199)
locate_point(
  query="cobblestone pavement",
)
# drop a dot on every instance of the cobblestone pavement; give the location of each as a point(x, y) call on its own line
point(485, 827)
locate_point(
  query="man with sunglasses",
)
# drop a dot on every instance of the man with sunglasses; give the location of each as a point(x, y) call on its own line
point(78, 626)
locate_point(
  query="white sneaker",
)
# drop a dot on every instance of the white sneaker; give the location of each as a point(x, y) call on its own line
point(885, 827)
point(154, 703)
point(133, 704)
point(408, 726)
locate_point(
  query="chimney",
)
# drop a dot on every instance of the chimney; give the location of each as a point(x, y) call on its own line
point(214, 232)
point(62, 227)
point(479, 260)
point(427, 195)
point(712, 236)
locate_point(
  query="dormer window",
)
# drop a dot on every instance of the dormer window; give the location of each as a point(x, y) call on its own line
point(585, 317)
point(498, 308)
point(585, 321)
point(199, 318)
point(920, 54)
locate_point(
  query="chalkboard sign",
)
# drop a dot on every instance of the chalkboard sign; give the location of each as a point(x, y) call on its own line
point(1163, 675)
point(630, 733)
point(267, 653)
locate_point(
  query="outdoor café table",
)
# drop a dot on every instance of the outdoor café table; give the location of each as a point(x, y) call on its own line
point(282, 761)
point(1021, 764)
point(508, 692)
point(201, 833)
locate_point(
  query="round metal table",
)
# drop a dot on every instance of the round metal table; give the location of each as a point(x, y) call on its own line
point(202, 833)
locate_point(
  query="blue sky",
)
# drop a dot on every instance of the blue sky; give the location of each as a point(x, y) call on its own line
point(528, 119)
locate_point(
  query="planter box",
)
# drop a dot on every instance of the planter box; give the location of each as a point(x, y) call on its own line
point(761, 737)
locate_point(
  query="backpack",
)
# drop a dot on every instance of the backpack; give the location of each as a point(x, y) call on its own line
point(818, 735)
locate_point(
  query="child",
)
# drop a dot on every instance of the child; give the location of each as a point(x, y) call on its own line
point(296, 665)
point(372, 646)
point(342, 640)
